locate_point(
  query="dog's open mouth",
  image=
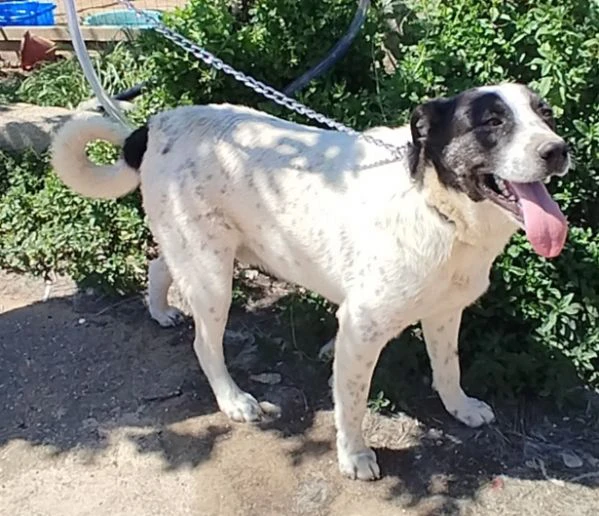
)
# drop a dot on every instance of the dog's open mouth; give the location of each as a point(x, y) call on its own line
point(501, 193)
point(532, 206)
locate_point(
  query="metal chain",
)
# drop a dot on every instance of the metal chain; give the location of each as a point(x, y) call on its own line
point(258, 86)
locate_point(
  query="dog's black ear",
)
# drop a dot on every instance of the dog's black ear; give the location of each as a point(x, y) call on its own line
point(425, 122)
point(420, 123)
point(427, 117)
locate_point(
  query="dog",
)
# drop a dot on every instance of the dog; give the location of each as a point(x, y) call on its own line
point(391, 240)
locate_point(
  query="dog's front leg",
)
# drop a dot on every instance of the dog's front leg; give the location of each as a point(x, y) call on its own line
point(441, 337)
point(357, 347)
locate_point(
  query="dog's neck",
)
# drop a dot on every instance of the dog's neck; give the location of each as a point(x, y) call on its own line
point(478, 224)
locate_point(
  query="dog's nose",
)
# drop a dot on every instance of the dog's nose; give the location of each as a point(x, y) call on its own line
point(554, 154)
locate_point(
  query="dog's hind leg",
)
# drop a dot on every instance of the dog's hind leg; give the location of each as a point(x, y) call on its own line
point(210, 300)
point(441, 338)
point(159, 281)
point(201, 258)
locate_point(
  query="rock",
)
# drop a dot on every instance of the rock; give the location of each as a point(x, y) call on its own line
point(27, 126)
point(267, 378)
point(242, 348)
point(312, 495)
point(250, 274)
point(327, 351)
point(571, 460)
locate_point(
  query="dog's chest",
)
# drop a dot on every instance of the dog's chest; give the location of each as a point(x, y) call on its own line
point(461, 280)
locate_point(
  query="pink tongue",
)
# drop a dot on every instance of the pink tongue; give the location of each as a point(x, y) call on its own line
point(545, 225)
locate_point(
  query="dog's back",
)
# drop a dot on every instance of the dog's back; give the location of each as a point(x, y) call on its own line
point(295, 200)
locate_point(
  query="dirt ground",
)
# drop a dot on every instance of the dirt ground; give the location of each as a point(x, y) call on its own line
point(103, 412)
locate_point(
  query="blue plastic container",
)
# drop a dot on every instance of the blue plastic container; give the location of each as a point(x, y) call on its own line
point(26, 13)
point(121, 18)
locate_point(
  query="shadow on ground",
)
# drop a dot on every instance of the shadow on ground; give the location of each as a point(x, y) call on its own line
point(76, 368)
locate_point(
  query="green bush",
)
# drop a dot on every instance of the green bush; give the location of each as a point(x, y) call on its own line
point(45, 227)
point(63, 84)
point(537, 330)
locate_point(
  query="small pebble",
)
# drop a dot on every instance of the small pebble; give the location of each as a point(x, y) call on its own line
point(571, 460)
point(267, 378)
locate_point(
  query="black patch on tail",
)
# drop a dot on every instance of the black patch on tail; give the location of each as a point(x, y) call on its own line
point(135, 147)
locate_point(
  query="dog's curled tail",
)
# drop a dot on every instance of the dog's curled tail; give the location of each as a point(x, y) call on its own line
point(71, 163)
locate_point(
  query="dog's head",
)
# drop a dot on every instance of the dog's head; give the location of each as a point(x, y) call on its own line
point(497, 144)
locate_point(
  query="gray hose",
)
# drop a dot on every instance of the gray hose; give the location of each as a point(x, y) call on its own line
point(336, 53)
point(88, 69)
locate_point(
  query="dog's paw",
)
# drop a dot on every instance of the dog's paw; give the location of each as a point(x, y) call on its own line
point(243, 408)
point(472, 412)
point(361, 465)
point(167, 318)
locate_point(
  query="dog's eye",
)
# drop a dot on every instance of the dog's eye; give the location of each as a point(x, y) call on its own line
point(546, 112)
point(493, 122)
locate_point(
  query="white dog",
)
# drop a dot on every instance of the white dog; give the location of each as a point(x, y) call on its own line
point(390, 240)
